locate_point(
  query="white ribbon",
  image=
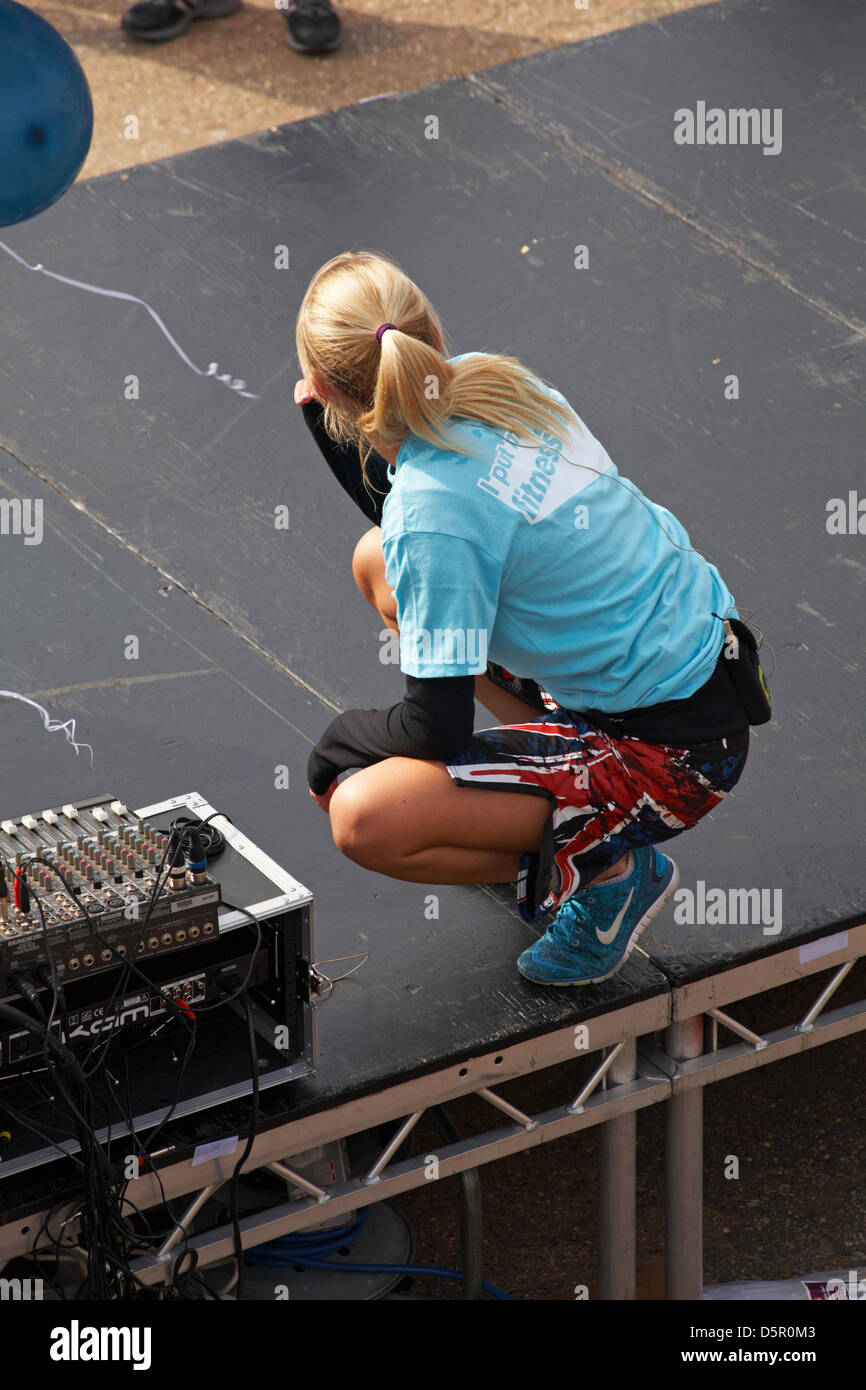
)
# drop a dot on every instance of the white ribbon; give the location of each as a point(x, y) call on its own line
point(52, 725)
point(225, 379)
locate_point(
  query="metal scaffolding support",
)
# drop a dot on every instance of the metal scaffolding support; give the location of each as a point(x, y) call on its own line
point(632, 1072)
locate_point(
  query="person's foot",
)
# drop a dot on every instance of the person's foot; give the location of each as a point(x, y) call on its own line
point(594, 933)
point(314, 26)
point(167, 19)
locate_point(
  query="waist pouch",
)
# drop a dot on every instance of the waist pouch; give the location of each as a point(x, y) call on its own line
point(745, 671)
point(734, 697)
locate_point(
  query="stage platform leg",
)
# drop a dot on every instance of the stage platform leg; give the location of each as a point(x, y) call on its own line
point(471, 1212)
point(684, 1171)
point(616, 1178)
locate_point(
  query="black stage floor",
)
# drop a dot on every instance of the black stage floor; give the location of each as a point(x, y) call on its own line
point(158, 512)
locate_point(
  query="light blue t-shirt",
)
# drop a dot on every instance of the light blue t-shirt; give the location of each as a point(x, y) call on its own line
point(553, 569)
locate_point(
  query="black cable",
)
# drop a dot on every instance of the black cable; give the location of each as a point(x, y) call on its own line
point(213, 840)
point(104, 1212)
point(61, 1053)
point(129, 965)
point(218, 1003)
point(106, 1237)
point(56, 991)
point(213, 843)
point(180, 833)
point(125, 973)
point(235, 1178)
point(21, 1118)
point(165, 1119)
point(97, 1214)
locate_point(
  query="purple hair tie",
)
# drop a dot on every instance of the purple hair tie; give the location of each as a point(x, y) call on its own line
point(381, 329)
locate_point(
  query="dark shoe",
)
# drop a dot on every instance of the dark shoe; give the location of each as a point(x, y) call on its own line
point(166, 19)
point(314, 27)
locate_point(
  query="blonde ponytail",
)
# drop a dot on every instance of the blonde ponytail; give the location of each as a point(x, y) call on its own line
point(405, 385)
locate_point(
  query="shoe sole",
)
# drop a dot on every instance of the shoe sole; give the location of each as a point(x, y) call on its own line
point(652, 911)
point(320, 48)
point(211, 9)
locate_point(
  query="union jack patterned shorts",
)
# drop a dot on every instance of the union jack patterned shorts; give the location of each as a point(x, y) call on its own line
point(609, 794)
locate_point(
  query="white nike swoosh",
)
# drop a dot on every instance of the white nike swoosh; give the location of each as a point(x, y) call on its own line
point(606, 937)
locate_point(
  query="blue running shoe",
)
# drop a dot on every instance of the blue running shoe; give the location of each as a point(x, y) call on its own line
point(594, 933)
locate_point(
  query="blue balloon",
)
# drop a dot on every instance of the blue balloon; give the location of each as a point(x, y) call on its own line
point(46, 115)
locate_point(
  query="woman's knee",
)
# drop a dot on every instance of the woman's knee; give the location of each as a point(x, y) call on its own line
point(368, 567)
point(354, 824)
point(368, 562)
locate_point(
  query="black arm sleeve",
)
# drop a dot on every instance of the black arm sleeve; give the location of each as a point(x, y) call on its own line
point(435, 720)
point(344, 462)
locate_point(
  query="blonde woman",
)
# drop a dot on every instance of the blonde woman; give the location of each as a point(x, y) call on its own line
point(520, 569)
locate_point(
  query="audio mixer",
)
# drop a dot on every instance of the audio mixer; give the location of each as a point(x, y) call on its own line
point(113, 920)
point(109, 861)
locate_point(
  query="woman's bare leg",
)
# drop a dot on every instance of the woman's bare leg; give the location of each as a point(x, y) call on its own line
point(368, 568)
point(406, 818)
